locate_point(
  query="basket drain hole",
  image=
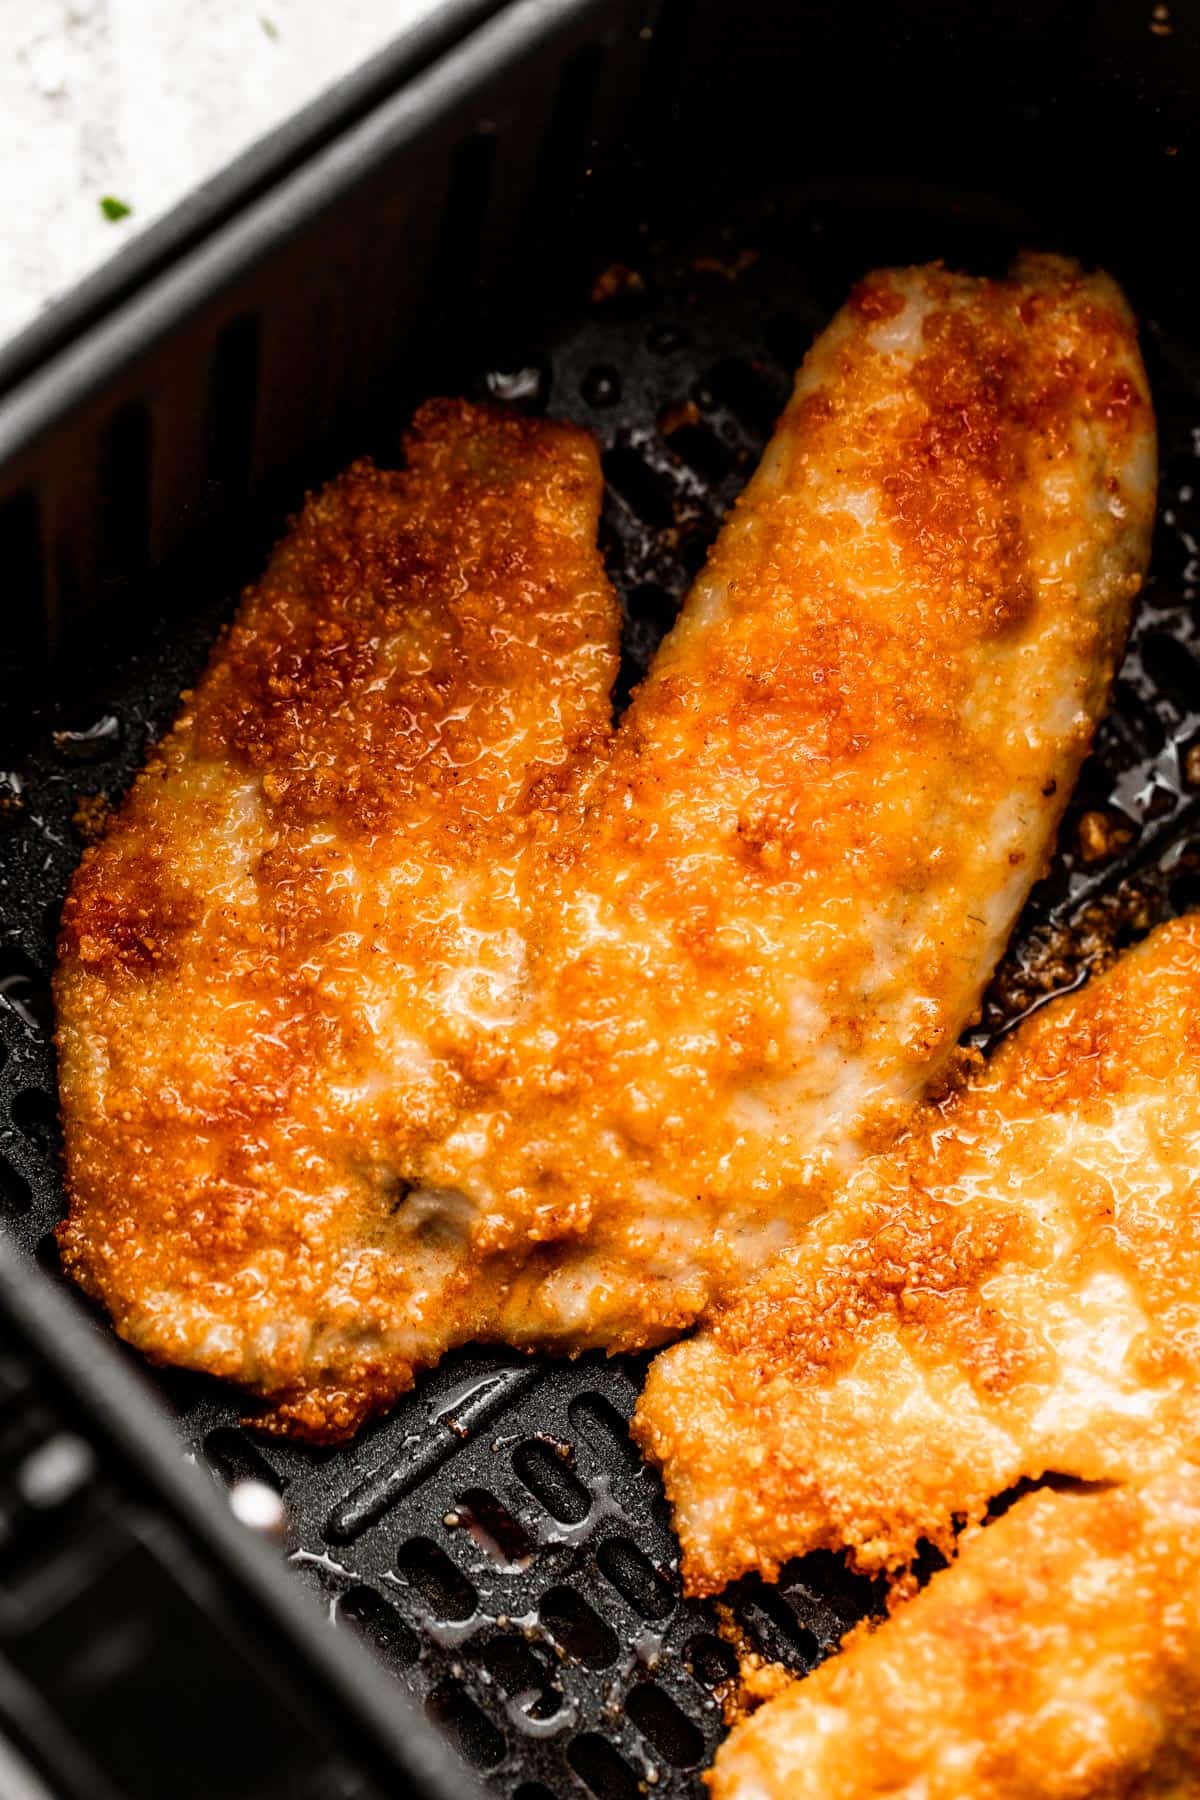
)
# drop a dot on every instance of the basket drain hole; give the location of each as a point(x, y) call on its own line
point(522, 1676)
point(494, 1529)
point(468, 1728)
point(749, 393)
point(663, 1725)
point(444, 1589)
point(776, 1630)
point(576, 1629)
point(1184, 891)
point(16, 1196)
point(1173, 668)
point(603, 1770)
point(542, 1467)
point(635, 1578)
point(1130, 733)
point(36, 1116)
point(235, 1458)
point(701, 449)
point(598, 1420)
point(710, 1660)
point(380, 1624)
point(644, 492)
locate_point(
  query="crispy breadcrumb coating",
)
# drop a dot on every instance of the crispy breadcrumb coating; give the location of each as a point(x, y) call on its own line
point(1013, 1290)
point(1058, 1658)
point(405, 1002)
point(308, 913)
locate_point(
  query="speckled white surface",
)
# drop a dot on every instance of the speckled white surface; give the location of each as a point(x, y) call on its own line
point(143, 100)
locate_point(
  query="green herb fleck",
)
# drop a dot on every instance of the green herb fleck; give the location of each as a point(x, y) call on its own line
point(270, 27)
point(114, 209)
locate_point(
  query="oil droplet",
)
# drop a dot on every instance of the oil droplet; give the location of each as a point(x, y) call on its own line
point(93, 743)
point(527, 382)
point(602, 385)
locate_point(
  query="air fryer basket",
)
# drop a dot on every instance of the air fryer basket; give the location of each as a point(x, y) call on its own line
point(496, 1539)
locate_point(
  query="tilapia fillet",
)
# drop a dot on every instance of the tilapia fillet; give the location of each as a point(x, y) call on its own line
point(406, 1002)
point(1058, 1658)
point(1013, 1291)
point(314, 896)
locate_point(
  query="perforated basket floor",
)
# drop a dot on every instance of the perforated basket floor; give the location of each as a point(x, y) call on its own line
point(496, 1539)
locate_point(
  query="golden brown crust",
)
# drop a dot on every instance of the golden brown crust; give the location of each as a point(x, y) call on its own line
point(406, 1002)
point(1058, 1658)
point(1014, 1289)
point(275, 966)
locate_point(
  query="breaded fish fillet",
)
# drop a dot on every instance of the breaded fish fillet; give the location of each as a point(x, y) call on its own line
point(1013, 1290)
point(313, 898)
point(773, 906)
point(579, 1070)
point(1058, 1658)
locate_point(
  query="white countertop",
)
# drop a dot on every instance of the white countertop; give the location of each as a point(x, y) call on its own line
point(140, 101)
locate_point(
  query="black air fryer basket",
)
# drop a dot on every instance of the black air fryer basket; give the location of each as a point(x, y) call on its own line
point(633, 215)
